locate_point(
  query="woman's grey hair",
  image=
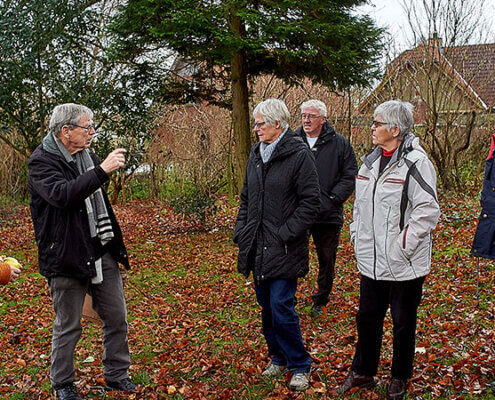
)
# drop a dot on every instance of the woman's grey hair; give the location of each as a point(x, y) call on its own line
point(319, 105)
point(273, 110)
point(67, 114)
point(397, 113)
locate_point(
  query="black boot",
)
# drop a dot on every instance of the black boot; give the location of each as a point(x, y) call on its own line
point(124, 385)
point(67, 392)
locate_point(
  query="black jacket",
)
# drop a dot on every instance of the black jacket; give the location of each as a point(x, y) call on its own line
point(279, 202)
point(337, 169)
point(60, 219)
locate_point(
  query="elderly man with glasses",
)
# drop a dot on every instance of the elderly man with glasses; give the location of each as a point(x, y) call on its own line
point(279, 202)
point(337, 168)
point(79, 245)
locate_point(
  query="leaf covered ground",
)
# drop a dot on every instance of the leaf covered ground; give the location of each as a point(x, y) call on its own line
point(194, 324)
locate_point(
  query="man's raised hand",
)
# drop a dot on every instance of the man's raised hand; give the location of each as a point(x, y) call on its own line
point(115, 160)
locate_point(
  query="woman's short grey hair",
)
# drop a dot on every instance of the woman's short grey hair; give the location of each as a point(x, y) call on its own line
point(67, 114)
point(319, 105)
point(273, 111)
point(397, 113)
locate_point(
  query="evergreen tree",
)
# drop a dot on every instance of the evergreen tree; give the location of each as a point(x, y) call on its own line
point(231, 41)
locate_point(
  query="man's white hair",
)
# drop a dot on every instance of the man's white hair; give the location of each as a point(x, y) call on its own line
point(319, 105)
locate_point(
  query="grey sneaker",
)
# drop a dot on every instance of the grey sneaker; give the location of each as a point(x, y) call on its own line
point(299, 381)
point(274, 370)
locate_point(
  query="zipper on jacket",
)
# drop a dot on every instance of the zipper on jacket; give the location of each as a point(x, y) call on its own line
point(387, 167)
point(373, 223)
point(261, 208)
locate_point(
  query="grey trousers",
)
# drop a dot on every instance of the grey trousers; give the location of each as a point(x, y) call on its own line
point(108, 301)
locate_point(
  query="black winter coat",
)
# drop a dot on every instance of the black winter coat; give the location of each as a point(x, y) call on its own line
point(279, 203)
point(337, 169)
point(60, 219)
point(484, 238)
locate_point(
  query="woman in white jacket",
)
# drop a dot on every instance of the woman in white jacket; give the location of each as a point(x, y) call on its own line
point(395, 211)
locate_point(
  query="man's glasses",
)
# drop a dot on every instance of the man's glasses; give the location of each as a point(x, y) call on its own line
point(86, 128)
point(258, 125)
point(310, 116)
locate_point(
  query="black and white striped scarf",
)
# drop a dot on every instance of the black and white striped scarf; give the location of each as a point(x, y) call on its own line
point(100, 224)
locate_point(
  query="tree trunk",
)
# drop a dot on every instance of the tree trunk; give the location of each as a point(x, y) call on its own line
point(240, 107)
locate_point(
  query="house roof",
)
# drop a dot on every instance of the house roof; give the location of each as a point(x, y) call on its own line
point(476, 64)
point(472, 67)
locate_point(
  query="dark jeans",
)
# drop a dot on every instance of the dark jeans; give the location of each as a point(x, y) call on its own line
point(326, 238)
point(375, 298)
point(108, 301)
point(281, 324)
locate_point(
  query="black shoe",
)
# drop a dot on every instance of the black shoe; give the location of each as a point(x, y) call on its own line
point(67, 392)
point(397, 388)
point(124, 385)
point(355, 380)
point(316, 310)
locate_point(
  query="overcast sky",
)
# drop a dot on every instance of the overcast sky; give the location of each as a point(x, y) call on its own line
point(390, 14)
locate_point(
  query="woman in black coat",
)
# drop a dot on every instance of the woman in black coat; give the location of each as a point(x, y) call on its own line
point(279, 202)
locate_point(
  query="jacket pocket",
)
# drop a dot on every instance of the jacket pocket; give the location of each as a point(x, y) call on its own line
point(404, 238)
point(484, 238)
point(403, 267)
point(397, 251)
point(49, 255)
point(396, 258)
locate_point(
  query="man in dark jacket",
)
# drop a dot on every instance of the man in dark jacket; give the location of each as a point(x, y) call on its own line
point(484, 238)
point(337, 167)
point(279, 202)
point(79, 245)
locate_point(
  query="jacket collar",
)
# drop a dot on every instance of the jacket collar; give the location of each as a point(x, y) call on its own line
point(267, 149)
point(58, 158)
point(289, 143)
point(53, 145)
point(406, 146)
point(326, 133)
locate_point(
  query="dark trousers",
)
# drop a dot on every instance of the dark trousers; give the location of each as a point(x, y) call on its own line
point(375, 298)
point(108, 301)
point(281, 324)
point(326, 238)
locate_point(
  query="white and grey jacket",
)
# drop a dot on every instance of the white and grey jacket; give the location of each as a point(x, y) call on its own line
point(395, 213)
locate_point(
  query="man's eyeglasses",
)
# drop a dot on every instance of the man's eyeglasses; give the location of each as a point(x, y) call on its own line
point(86, 128)
point(310, 116)
point(258, 125)
point(377, 124)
